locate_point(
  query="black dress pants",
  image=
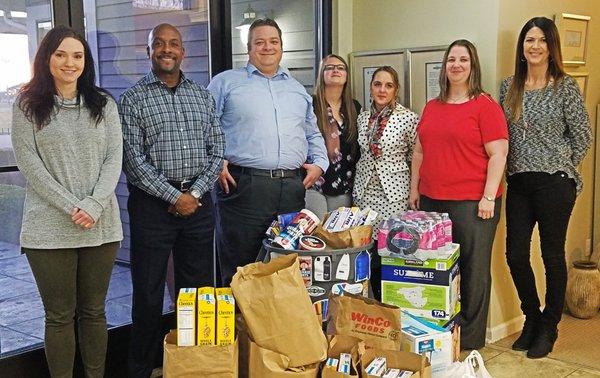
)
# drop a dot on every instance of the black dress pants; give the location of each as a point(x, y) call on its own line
point(476, 239)
point(154, 234)
point(545, 199)
point(246, 212)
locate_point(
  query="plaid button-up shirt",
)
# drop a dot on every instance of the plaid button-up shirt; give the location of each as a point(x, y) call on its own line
point(170, 135)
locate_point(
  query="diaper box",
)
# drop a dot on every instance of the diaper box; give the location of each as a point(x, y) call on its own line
point(423, 291)
point(426, 338)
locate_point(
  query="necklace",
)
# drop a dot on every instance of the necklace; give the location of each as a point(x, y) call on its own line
point(454, 100)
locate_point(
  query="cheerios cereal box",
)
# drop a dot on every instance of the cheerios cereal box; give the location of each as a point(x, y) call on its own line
point(225, 316)
point(206, 316)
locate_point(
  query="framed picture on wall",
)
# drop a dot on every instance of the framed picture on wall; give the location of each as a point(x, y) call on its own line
point(425, 67)
point(363, 64)
point(581, 79)
point(573, 30)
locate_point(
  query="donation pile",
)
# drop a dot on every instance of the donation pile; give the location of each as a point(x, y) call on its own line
point(420, 274)
point(333, 255)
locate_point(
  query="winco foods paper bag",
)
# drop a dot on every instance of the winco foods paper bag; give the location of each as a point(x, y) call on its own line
point(278, 311)
point(199, 361)
point(366, 319)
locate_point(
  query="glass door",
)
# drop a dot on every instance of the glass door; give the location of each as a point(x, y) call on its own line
point(23, 24)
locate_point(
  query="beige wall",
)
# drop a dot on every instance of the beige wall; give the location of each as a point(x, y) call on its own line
point(513, 14)
point(493, 26)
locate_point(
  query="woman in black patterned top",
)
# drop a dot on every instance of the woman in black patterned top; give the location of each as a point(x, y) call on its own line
point(550, 134)
point(336, 117)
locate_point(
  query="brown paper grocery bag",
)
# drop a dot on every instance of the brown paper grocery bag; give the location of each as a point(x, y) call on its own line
point(396, 359)
point(199, 361)
point(278, 312)
point(354, 237)
point(264, 363)
point(342, 344)
point(366, 319)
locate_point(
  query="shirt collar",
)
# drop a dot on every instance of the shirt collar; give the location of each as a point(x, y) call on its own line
point(281, 71)
point(152, 78)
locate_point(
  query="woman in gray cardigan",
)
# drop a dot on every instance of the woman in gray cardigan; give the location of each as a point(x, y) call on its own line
point(67, 140)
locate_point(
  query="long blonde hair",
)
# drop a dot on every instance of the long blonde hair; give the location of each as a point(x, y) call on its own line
point(514, 97)
point(347, 109)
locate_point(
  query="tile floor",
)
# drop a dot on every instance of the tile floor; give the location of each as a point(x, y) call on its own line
point(21, 309)
point(503, 362)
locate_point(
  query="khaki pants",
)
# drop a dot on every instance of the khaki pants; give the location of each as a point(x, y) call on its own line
point(73, 284)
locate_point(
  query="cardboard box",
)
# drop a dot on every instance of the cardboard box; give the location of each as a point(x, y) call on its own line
point(426, 338)
point(442, 261)
point(402, 360)
point(225, 316)
point(453, 327)
point(432, 293)
point(186, 317)
point(206, 317)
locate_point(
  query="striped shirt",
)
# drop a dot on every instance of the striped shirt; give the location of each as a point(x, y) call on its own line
point(170, 135)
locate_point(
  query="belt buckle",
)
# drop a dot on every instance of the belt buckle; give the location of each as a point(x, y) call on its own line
point(280, 173)
point(182, 185)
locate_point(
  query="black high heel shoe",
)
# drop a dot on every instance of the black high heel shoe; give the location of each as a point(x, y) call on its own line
point(543, 343)
point(530, 330)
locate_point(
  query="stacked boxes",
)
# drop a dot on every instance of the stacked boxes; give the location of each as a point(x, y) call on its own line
point(205, 316)
point(429, 288)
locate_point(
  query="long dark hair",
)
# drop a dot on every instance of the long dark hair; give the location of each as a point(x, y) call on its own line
point(347, 109)
point(474, 83)
point(36, 98)
point(514, 97)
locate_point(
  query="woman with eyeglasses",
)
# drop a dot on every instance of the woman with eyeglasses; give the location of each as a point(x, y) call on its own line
point(550, 135)
point(336, 113)
point(67, 139)
point(386, 135)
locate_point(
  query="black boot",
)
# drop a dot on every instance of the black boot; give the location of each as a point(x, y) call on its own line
point(530, 330)
point(543, 343)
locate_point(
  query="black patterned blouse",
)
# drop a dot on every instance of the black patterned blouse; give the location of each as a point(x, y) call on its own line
point(339, 178)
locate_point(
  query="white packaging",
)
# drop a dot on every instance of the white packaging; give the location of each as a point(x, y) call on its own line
point(345, 363)
point(423, 337)
point(377, 367)
point(391, 373)
point(332, 362)
point(343, 269)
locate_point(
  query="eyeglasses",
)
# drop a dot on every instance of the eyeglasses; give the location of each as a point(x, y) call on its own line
point(331, 67)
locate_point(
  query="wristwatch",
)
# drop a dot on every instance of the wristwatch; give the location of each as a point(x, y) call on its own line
point(489, 198)
point(195, 193)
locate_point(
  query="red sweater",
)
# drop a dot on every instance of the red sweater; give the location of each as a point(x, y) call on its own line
point(454, 158)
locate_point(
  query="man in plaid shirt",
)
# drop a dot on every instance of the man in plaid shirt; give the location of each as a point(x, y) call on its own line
point(173, 146)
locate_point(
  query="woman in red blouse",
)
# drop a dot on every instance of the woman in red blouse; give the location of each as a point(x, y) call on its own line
point(457, 165)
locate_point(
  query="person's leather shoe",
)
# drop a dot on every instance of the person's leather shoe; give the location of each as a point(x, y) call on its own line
point(543, 343)
point(528, 333)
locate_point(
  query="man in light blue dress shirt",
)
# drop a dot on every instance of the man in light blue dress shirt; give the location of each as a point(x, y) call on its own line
point(274, 149)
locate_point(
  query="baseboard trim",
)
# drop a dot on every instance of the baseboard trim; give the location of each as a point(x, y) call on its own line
point(504, 329)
